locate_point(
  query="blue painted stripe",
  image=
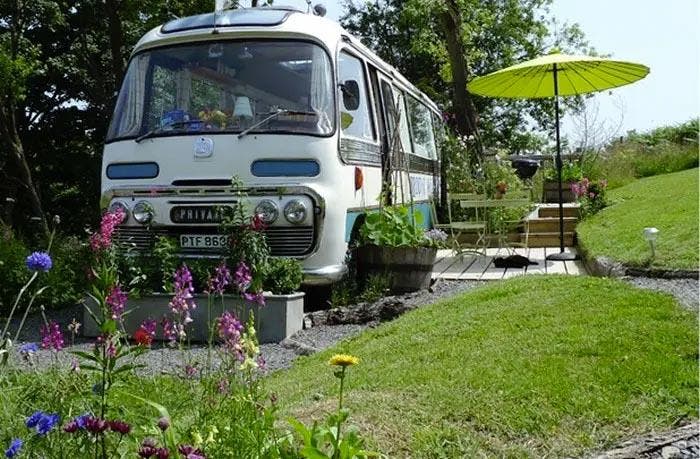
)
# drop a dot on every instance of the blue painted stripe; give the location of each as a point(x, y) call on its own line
point(285, 168)
point(122, 171)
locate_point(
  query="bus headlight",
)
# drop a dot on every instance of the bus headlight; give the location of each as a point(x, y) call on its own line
point(267, 210)
point(295, 212)
point(143, 212)
point(119, 206)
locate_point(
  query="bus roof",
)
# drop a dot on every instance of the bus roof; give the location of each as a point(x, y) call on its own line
point(265, 22)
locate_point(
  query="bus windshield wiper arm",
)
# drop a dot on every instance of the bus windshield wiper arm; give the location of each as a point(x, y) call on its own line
point(160, 129)
point(280, 111)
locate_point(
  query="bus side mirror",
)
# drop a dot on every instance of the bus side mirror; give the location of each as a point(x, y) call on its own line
point(351, 94)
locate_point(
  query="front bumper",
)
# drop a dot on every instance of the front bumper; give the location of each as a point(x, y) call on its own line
point(324, 276)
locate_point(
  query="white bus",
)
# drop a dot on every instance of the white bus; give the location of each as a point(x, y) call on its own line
point(310, 120)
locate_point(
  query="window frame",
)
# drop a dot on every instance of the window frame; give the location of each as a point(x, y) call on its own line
point(349, 51)
point(333, 74)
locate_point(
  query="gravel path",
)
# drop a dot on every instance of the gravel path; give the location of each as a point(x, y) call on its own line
point(686, 291)
point(164, 360)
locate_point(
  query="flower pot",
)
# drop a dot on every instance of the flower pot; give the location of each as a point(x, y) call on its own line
point(408, 268)
point(550, 191)
point(279, 318)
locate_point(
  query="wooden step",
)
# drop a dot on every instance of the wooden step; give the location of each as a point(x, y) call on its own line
point(548, 211)
point(550, 239)
point(551, 224)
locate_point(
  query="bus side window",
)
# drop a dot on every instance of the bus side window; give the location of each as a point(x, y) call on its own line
point(400, 99)
point(421, 129)
point(355, 116)
point(377, 108)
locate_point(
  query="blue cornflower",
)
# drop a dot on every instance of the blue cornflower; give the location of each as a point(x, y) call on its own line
point(46, 423)
point(29, 348)
point(15, 446)
point(39, 261)
point(80, 420)
point(34, 419)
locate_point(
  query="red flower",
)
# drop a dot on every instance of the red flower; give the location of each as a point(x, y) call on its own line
point(257, 223)
point(142, 337)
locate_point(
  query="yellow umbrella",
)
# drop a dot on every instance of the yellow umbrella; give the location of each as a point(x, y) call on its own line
point(557, 75)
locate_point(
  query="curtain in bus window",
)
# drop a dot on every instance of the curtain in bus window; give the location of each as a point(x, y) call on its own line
point(320, 98)
point(355, 119)
point(403, 122)
point(129, 107)
point(421, 129)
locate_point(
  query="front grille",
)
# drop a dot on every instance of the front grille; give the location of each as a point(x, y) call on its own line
point(288, 241)
point(136, 238)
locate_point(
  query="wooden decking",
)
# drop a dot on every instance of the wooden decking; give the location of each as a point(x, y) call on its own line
point(480, 267)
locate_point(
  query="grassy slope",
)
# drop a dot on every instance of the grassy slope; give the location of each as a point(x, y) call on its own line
point(668, 202)
point(528, 367)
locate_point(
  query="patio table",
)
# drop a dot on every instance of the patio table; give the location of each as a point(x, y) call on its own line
point(488, 204)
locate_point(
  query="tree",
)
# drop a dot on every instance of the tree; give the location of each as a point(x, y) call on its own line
point(19, 59)
point(58, 88)
point(442, 44)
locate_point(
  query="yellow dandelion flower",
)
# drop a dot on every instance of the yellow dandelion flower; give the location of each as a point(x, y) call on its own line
point(343, 360)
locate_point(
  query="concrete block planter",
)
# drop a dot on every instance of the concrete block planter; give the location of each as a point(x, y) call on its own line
point(281, 317)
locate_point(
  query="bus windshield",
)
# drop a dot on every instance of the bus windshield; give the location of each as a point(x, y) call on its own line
point(226, 86)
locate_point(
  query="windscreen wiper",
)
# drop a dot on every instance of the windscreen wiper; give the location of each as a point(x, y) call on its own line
point(159, 129)
point(280, 111)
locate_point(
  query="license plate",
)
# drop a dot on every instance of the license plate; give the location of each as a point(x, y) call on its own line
point(203, 241)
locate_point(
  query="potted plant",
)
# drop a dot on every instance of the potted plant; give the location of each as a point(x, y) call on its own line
point(190, 295)
point(393, 243)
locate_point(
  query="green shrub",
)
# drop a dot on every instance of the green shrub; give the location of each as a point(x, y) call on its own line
point(663, 150)
point(282, 276)
point(65, 280)
point(13, 271)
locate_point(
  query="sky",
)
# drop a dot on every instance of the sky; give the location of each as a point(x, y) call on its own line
point(661, 34)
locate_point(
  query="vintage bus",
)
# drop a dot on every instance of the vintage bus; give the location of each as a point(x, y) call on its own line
point(313, 123)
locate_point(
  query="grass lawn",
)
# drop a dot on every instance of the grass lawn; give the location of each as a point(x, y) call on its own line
point(528, 367)
point(668, 202)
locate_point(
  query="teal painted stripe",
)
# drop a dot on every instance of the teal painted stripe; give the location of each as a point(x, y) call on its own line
point(423, 208)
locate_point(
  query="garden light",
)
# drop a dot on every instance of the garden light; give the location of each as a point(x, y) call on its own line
point(650, 234)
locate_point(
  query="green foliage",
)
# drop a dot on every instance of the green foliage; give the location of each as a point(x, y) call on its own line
point(579, 378)
point(393, 226)
point(13, 271)
point(283, 276)
point(410, 35)
point(662, 150)
point(247, 241)
point(65, 281)
point(460, 164)
point(668, 202)
point(165, 254)
point(376, 287)
point(571, 171)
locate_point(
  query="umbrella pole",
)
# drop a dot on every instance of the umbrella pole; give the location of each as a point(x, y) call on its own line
point(561, 256)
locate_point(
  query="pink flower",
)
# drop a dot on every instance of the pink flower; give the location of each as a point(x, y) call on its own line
point(149, 326)
point(221, 280)
point(103, 239)
point(116, 300)
point(255, 298)
point(229, 327)
point(51, 336)
point(242, 277)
